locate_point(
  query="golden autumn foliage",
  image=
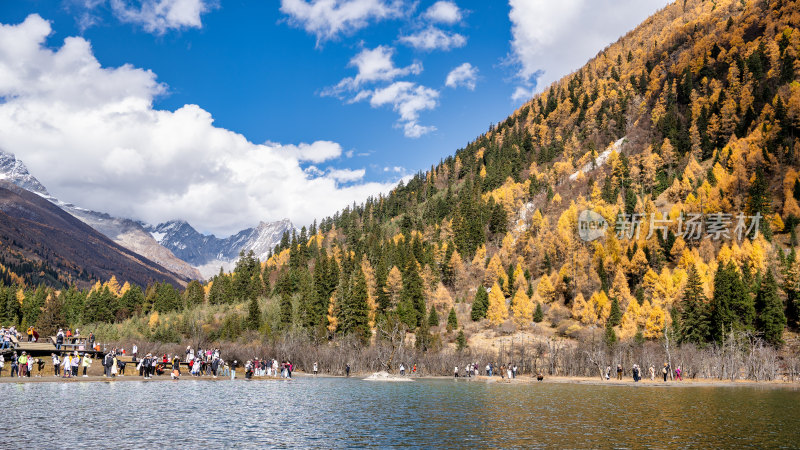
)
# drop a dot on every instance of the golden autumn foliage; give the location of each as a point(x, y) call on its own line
point(498, 310)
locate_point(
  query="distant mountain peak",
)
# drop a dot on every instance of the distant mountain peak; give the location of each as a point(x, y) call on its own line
point(14, 171)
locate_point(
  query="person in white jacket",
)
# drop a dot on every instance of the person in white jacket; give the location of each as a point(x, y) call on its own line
point(67, 367)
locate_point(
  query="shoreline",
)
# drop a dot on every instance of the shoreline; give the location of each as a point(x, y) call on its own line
point(524, 379)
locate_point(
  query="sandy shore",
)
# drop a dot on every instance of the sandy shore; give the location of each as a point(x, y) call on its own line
point(523, 379)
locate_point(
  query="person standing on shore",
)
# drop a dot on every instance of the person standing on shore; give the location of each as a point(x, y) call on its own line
point(402, 369)
point(664, 371)
point(14, 365)
point(636, 373)
point(234, 364)
point(75, 364)
point(678, 373)
point(455, 372)
point(56, 364)
point(176, 368)
point(619, 372)
point(87, 362)
point(59, 339)
point(652, 373)
point(2, 364)
point(23, 364)
point(315, 368)
point(67, 367)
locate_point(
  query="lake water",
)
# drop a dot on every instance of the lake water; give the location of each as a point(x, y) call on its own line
point(336, 412)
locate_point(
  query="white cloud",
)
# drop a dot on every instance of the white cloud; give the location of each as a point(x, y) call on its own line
point(328, 18)
point(373, 65)
point(523, 93)
point(346, 175)
point(554, 38)
point(464, 75)
point(444, 12)
point(407, 99)
point(92, 136)
point(160, 16)
point(432, 38)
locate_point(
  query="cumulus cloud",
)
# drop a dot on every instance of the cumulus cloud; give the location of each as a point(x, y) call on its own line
point(464, 75)
point(432, 38)
point(92, 136)
point(373, 65)
point(407, 99)
point(160, 16)
point(346, 175)
point(551, 39)
point(326, 19)
point(444, 12)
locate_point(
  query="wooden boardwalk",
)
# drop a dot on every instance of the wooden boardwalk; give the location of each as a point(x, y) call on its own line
point(45, 347)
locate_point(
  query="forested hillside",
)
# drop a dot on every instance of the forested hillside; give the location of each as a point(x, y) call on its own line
point(687, 126)
point(703, 104)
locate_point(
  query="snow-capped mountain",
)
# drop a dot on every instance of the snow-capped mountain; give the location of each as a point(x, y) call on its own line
point(125, 232)
point(208, 253)
point(14, 171)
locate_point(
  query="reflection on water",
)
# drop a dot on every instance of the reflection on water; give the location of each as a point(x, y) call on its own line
point(328, 412)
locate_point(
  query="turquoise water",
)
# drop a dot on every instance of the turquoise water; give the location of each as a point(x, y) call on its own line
point(336, 412)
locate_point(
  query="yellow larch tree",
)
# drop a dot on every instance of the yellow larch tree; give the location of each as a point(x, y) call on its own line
point(545, 291)
point(602, 306)
point(655, 323)
point(522, 308)
point(333, 321)
point(480, 257)
point(498, 310)
point(394, 284)
point(113, 285)
point(372, 289)
point(495, 272)
point(125, 288)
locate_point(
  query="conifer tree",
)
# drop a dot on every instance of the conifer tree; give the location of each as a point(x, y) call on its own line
point(433, 318)
point(355, 309)
point(498, 310)
point(615, 317)
point(731, 307)
point(522, 308)
point(413, 291)
point(452, 320)
point(694, 324)
point(253, 315)
point(480, 305)
point(538, 315)
point(461, 341)
point(770, 318)
point(194, 294)
point(131, 302)
point(52, 316)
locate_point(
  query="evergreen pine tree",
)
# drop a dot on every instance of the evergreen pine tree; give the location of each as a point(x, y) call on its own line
point(615, 316)
point(731, 308)
point(413, 292)
point(694, 324)
point(194, 294)
point(610, 337)
point(452, 320)
point(770, 318)
point(461, 341)
point(433, 318)
point(480, 305)
point(538, 315)
point(52, 316)
point(253, 315)
point(355, 309)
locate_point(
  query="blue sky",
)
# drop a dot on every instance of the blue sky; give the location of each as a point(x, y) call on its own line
point(302, 106)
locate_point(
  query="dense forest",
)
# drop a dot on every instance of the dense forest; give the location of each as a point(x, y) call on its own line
point(695, 114)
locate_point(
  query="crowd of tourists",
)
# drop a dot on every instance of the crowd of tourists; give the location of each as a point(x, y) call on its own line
point(666, 372)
